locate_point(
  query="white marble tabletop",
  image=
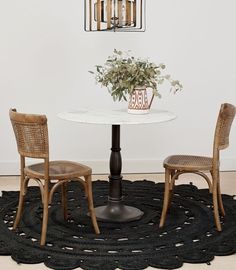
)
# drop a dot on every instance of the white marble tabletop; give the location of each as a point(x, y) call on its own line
point(116, 117)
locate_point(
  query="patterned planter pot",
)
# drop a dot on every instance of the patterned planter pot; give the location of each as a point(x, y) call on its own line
point(138, 103)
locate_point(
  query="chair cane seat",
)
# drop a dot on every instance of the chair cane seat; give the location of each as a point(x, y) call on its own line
point(58, 170)
point(188, 162)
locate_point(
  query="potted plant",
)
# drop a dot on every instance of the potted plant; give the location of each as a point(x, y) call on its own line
point(127, 76)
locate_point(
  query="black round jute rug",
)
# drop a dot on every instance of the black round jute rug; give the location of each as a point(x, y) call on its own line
point(188, 236)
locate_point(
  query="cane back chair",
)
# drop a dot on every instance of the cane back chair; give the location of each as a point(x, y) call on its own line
point(31, 132)
point(178, 164)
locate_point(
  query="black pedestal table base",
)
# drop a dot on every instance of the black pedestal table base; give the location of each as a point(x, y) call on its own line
point(115, 210)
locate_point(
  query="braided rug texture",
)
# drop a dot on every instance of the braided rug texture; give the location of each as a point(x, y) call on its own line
point(188, 236)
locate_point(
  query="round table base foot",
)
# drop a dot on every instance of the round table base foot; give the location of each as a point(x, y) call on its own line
point(118, 213)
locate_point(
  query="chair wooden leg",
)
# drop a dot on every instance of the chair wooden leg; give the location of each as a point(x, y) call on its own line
point(64, 200)
point(166, 198)
point(90, 203)
point(172, 185)
point(221, 205)
point(215, 202)
point(20, 206)
point(45, 213)
point(23, 187)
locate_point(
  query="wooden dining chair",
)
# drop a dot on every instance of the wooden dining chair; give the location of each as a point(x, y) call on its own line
point(179, 164)
point(31, 132)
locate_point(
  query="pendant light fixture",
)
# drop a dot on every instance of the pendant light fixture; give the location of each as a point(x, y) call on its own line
point(115, 15)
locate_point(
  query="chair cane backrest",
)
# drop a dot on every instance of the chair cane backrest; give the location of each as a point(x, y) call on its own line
point(223, 126)
point(31, 134)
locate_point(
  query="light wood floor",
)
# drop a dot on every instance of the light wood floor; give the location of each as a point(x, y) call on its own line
point(228, 186)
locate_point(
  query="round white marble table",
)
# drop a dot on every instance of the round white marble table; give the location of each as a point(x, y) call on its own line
point(116, 210)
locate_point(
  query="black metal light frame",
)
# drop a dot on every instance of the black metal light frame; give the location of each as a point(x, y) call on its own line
point(114, 15)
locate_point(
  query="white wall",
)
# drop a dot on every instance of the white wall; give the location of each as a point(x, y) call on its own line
point(45, 56)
